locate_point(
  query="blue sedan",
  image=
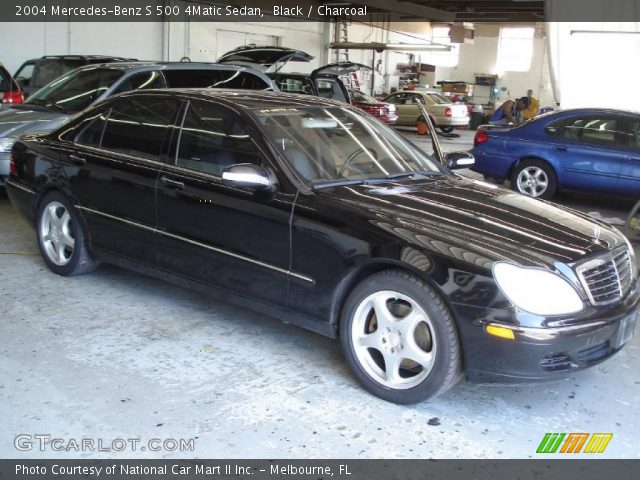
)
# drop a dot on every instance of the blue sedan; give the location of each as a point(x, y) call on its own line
point(588, 150)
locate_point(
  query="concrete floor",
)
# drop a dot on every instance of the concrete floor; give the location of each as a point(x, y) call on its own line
point(115, 355)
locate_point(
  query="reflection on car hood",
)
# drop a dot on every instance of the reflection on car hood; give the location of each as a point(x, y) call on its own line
point(15, 122)
point(477, 222)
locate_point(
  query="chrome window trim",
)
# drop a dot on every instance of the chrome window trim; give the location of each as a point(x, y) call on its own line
point(203, 245)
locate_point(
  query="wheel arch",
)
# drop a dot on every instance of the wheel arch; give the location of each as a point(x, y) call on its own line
point(524, 158)
point(361, 272)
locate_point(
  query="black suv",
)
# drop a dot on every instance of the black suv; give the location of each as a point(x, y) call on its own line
point(37, 72)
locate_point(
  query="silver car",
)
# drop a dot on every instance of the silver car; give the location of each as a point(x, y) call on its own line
point(444, 114)
point(71, 93)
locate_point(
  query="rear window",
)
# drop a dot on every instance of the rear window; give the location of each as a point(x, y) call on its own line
point(214, 79)
point(330, 89)
point(46, 71)
point(438, 99)
point(77, 90)
point(294, 85)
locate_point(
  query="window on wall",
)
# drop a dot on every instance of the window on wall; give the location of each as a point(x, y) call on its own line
point(515, 49)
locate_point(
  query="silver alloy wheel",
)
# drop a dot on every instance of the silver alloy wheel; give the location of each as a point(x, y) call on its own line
point(393, 339)
point(56, 234)
point(532, 181)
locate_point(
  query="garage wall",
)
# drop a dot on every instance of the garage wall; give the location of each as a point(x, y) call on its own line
point(151, 41)
point(482, 56)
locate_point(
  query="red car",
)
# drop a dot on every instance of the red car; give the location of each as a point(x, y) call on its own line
point(384, 111)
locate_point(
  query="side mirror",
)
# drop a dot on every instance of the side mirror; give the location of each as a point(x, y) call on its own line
point(248, 176)
point(632, 225)
point(459, 160)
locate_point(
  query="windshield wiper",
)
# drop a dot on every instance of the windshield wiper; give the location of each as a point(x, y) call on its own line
point(338, 183)
point(423, 173)
point(46, 103)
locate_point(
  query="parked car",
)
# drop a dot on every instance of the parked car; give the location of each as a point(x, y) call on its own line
point(37, 72)
point(325, 81)
point(10, 92)
point(55, 103)
point(586, 150)
point(384, 111)
point(444, 114)
point(316, 213)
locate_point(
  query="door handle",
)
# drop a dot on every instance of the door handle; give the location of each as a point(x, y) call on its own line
point(560, 149)
point(76, 160)
point(171, 183)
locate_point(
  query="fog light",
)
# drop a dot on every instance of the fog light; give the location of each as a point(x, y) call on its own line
point(501, 332)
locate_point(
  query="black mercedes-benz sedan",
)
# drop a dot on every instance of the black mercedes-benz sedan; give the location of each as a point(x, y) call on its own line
point(318, 214)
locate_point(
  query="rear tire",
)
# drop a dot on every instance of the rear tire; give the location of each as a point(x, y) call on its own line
point(399, 338)
point(60, 237)
point(446, 129)
point(534, 178)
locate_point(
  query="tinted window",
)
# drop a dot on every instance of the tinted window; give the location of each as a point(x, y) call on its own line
point(141, 81)
point(48, 70)
point(137, 126)
point(294, 85)
point(594, 130)
point(330, 89)
point(91, 129)
point(212, 138)
point(25, 73)
point(77, 90)
point(214, 79)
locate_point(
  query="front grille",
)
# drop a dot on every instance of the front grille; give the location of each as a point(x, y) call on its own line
point(608, 278)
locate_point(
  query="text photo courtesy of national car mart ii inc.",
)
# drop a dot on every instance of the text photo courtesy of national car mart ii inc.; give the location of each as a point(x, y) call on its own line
point(223, 469)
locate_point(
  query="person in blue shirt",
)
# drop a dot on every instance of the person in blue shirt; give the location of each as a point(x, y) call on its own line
point(510, 112)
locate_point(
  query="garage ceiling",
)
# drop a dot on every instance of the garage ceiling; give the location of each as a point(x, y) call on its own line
point(454, 10)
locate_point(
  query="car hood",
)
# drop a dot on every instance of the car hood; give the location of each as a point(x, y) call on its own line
point(477, 222)
point(15, 122)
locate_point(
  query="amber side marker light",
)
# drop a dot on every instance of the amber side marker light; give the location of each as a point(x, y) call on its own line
point(500, 332)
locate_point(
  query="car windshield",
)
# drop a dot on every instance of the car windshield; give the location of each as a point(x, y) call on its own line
point(337, 145)
point(77, 90)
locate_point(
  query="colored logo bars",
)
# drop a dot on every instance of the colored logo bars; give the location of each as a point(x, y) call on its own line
point(573, 442)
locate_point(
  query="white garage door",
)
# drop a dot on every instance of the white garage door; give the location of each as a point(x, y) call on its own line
point(227, 40)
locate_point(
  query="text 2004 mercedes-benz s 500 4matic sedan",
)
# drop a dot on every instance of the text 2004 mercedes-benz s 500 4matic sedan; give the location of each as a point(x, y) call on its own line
point(320, 215)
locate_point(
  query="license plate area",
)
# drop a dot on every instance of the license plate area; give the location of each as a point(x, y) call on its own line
point(626, 330)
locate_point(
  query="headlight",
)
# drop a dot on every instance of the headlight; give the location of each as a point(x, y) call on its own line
point(6, 144)
point(536, 290)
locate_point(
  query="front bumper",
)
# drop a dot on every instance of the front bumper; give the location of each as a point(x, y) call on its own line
point(548, 353)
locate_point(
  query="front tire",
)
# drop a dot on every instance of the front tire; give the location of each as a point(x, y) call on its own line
point(399, 338)
point(60, 237)
point(534, 178)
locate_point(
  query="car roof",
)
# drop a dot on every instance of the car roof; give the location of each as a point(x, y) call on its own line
point(594, 111)
point(145, 65)
point(246, 99)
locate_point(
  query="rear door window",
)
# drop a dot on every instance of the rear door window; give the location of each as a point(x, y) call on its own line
point(139, 126)
point(214, 79)
point(91, 129)
point(601, 131)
